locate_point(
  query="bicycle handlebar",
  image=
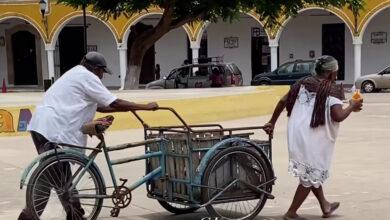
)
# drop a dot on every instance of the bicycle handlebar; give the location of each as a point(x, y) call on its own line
point(164, 109)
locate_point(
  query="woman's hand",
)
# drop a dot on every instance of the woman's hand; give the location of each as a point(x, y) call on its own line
point(356, 104)
point(269, 129)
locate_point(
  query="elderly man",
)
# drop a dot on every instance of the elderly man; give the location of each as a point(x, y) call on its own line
point(71, 102)
point(315, 109)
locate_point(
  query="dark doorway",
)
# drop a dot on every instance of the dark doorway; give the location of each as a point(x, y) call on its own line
point(333, 44)
point(261, 54)
point(71, 43)
point(148, 63)
point(25, 59)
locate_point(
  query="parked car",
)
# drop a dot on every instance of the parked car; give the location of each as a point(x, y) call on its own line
point(374, 82)
point(286, 74)
point(198, 76)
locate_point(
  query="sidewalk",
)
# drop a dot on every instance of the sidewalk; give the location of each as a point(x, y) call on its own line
point(194, 105)
point(33, 98)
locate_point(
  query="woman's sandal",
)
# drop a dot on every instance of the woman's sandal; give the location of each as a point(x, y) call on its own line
point(333, 207)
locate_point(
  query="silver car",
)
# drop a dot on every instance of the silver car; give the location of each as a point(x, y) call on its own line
point(374, 82)
point(198, 76)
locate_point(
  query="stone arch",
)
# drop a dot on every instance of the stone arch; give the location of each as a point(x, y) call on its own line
point(38, 41)
point(200, 30)
point(54, 34)
point(125, 32)
point(28, 19)
point(339, 13)
point(370, 15)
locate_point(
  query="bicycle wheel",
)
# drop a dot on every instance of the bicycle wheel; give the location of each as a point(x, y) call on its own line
point(175, 208)
point(48, 193)
point(239, 201)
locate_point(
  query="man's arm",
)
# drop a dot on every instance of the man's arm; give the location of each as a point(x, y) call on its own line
point(107, 109)
point(120, 105)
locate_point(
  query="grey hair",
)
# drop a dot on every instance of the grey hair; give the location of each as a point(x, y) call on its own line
point(326, 64)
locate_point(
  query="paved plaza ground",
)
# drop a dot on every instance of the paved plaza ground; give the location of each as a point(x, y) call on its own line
point(359, 179)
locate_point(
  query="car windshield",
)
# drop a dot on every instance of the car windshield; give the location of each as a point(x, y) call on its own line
point(173, 74)
point(286, 69)
point(181, 71)
point(304, 67)
point(386, 71)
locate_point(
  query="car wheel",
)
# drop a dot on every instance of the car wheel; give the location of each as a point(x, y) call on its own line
point(368, 87)
point(263, 83)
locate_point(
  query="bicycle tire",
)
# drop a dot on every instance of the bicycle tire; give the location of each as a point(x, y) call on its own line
point(55, 159)
point(214, 161)
point(175, 209)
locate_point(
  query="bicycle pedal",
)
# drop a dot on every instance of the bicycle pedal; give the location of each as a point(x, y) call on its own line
point(123, 181)
point(114, 212)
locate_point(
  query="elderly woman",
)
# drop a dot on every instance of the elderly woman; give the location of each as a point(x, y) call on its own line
point(315, 109)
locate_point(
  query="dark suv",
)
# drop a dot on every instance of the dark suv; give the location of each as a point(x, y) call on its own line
point(198, 76)
point(286, 74)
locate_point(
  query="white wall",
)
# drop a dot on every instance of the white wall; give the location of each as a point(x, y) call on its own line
point(304, 33)
point(375, 57)
point(241, 56)
point(99, 34)
point(171, 49)
point(3, 59)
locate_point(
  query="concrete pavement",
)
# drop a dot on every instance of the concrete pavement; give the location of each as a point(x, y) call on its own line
point(359, 175)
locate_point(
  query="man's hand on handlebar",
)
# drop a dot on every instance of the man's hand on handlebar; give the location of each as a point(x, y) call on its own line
point(152, 106)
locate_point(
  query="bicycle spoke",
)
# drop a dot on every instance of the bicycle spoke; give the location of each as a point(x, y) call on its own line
point(239, 201)
point(50, 191)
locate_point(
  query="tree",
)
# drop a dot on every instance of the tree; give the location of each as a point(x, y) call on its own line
point(179, 12)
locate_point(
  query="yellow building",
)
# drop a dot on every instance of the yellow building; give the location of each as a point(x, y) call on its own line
point(34, 48)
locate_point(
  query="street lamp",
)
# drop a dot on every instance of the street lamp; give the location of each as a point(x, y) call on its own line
point(84, 27)
point(42, 5)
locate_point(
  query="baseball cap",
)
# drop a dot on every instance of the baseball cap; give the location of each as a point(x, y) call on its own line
point(97, 59)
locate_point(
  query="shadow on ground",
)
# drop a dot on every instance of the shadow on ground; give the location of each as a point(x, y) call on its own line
point(204, 216)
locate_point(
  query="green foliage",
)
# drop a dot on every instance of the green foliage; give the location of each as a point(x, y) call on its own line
point(210, 10)
point(355, 6)
point(269, 10)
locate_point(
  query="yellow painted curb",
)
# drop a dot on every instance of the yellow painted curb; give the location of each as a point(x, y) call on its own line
point(261, 101)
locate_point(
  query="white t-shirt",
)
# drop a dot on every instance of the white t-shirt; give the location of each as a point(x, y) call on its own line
point(69, 103)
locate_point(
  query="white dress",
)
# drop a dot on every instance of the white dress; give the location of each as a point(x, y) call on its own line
point(310, 149)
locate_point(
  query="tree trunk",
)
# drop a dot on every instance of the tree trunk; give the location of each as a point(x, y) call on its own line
point(134, 68)
point(143, 41)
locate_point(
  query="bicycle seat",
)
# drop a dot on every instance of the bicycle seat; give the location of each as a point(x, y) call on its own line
point(98, 126)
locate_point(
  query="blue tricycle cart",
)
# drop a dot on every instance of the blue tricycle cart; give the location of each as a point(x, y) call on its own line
point(187, 167)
